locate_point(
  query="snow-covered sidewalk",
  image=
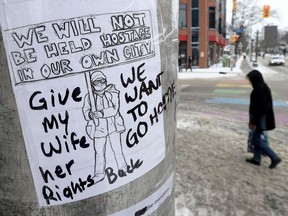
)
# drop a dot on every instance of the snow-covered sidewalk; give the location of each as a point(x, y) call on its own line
point(217, 71)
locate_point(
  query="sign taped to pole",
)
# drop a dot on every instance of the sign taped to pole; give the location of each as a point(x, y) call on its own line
point(74, 66)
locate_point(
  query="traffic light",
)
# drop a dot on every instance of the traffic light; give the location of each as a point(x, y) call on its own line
point(266, 11)
point(234, 5)
point(234, 38)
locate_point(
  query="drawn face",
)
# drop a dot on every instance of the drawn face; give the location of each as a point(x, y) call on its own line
point(99, 84)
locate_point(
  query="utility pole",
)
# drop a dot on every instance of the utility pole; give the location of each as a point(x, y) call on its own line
point(150, 191)
point(257, 34)
point(251, 53)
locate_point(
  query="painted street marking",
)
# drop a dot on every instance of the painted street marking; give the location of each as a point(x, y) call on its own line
point(240, 101)
point(224, 100)
point(243, 116)
point(231, 91)
point(235, 81)
point(281, 118)
point(223, 85)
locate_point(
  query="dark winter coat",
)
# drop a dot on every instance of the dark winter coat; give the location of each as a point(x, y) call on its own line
point(261, 102)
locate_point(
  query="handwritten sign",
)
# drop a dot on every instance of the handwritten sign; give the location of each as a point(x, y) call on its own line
point(89, 93)
point(79, 44)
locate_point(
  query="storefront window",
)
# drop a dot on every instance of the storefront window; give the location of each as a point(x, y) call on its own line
point(182, 59)
point(195, 56)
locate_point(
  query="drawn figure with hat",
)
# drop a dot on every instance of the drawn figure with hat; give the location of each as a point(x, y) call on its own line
point(104, 122)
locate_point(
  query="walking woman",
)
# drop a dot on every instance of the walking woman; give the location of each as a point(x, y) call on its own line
point(261, 118)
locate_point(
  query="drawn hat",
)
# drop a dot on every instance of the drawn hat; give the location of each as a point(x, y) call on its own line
point(97, 75)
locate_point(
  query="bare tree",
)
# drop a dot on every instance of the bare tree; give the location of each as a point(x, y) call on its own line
point(248, 13)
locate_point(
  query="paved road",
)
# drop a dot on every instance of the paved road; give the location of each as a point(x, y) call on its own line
point(233, 93)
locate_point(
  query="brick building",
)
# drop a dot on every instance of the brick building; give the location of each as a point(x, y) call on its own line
point(202, 31)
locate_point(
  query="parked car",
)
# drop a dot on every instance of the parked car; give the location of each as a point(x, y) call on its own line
point(277, 60)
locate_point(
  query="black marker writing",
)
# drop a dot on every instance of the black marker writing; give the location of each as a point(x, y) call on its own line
point(135, 75)
point(74, 28)
point(125, 37)
point(136, 50)
point(64, 143)
point(105, 57)
point(133, 138)
point(59, 172)
point(38, 102)
point(25, 74)
point(56, 68)
point(122, 22)
point(37, 33)
point(53, 123)
point(74, 188)
point(65, 48)
point(112, 176)
point(140, 110)
point(28, 56)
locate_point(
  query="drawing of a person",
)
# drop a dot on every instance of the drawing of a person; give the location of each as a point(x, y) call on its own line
point(105, 123)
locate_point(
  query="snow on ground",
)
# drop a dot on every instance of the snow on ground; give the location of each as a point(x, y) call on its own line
point(217, 71)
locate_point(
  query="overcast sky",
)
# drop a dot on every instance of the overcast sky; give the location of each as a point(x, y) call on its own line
point(281, 6)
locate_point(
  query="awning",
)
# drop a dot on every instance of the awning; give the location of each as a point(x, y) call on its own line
point(213, 38)
point(183, 37)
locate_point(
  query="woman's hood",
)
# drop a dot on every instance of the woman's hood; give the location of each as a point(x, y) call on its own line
point(255, 78)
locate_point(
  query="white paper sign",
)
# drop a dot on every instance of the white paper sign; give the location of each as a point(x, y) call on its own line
point(151, 203)
point(88, 86)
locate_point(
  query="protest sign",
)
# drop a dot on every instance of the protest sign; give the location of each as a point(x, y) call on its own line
point(88, 86)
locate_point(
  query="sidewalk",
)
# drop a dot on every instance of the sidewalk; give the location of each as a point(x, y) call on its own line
point(217, 71)
point(214, 71)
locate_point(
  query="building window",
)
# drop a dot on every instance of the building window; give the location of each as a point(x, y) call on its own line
point(195, 35)
point(183, 16)
point(195, 32)
point(212, 18)
point(195, 3)
point(220, 6)
point(220, 26)
point(195, 17)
